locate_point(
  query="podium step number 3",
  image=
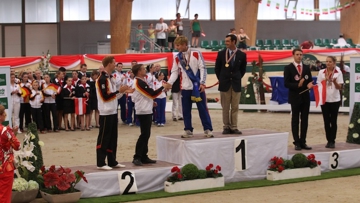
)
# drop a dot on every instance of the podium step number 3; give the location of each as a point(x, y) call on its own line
point(240, 150)
point(334, 160)
point(127, 182)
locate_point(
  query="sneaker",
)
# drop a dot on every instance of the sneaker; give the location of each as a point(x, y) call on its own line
point(187, 134)
point(180, 119)
point(119, 166)
point(19, 132)
point(130, 124)
point(106, 167)
point(158, 124)
point(208, 133)
point(162, 125)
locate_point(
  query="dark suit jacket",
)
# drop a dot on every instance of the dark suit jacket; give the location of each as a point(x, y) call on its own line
point(230, 76)
point(291, 81)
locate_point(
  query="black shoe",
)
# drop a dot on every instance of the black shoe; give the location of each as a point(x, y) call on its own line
point(137, 162)
point(236, 131)
point(227, 131)
point(180, 119)
point(174, 119)
point(332, 145)
point(327, 145)
point(148, 161)
point(297, 147)
point(304, 146)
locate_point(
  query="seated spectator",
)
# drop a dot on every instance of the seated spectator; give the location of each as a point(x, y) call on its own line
point(341, 42)
point(319, 65)
point(307, 45)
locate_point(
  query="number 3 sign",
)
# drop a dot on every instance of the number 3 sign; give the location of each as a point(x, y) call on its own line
point(334, 160)
point(127, 182)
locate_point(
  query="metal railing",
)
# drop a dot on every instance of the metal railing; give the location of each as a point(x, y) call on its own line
point(134, 44)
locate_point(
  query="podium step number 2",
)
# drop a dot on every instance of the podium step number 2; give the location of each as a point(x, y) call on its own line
point(240, 154)
point(127, 182)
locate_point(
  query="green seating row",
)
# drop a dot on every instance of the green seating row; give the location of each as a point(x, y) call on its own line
point(277, 44)
point(214, 45)
point(323, 42)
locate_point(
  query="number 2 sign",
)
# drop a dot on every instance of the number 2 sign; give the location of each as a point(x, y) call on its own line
point(127, 182)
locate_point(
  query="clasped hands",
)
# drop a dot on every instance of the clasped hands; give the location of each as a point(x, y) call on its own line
point(126, 89)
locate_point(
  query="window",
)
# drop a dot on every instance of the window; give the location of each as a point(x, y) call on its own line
point(43, 11)
point(273, 12)
point(201, 7)
point(328, 5)
point(75, 10)
point(102, 10)
point(224, 10)
point(10, 11)
point(150, 10)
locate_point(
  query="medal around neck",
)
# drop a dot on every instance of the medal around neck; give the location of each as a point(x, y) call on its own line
point(226, 65)
point(306, 77)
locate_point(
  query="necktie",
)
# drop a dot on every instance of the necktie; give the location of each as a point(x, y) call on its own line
point(232, 59)
point(299, 69)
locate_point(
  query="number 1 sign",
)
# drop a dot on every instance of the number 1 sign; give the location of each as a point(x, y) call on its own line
point(240, 154)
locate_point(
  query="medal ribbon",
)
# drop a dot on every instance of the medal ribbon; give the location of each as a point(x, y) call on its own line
point(227, 56)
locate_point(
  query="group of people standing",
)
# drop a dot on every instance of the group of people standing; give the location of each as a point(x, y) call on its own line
point(162, 33)
point(49, 102)
point(298, 79)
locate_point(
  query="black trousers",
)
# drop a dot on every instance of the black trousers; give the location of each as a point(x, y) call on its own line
point(299, 110)
point(47, 109)
point(330, 113)
point(107, 140)
point(141, 149)
point(25, 109)
point(37, 117)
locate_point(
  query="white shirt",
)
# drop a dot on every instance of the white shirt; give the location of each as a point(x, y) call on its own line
point(156, 85)
point(150, 79)
point(332, 94)
point(120, 78)
point(161, 34)
point(196, 63)
point(37, 101)
point(130, 83)
point(15, 97)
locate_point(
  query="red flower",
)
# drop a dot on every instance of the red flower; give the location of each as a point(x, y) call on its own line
point(63, 184)
point(319, 162)
point(175, 169)
point(279, 162)
point(211, 165)
point(207, 168)
point(42, 169)
point(179, 176)
point(218, 168)
point(216, 171)
point(52, 168)
point(312, 156)
point(280, 168)
point(81, 175)
point(51, 179)
point(272, 166)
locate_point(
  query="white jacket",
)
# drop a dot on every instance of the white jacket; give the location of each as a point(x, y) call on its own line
point(107, 94)
point(196, 62)
point(36, 100)
point(156, 85)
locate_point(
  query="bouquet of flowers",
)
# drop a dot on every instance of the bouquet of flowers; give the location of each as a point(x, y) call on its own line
point(176, 176)
point(277, 164)
point(312, 161)
point(191, 172)
point(213, 173)
point(59, 180)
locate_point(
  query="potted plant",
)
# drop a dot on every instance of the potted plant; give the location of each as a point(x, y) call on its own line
point(298, 167)
point(58, 184)
point(27, 160)
point(191, 178)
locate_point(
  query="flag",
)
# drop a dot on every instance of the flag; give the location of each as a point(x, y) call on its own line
point(294, 10)
point(347, 5)
point(339, 8)
point(286, 8)
point(311, 12)
point(320, 93)
point(302, 11)
point(325, 11)
point(317, 11)
point(277, 5)
point(53, 87)
point(80, 106)
point(25, 91)
point(332, 10)
point(352, 3)
point(268, 3)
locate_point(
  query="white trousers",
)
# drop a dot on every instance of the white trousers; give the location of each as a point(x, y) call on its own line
point(15, 113)
point(176, 105)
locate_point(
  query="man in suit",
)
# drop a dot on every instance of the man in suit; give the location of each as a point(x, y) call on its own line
point(297, 77)
point(230, 67)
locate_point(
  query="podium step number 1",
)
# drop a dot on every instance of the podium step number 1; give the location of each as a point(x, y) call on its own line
point(127, 182)
point(240, 150)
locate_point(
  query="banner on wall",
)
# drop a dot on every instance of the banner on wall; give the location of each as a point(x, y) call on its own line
point(354, 82)
point(5, 94)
